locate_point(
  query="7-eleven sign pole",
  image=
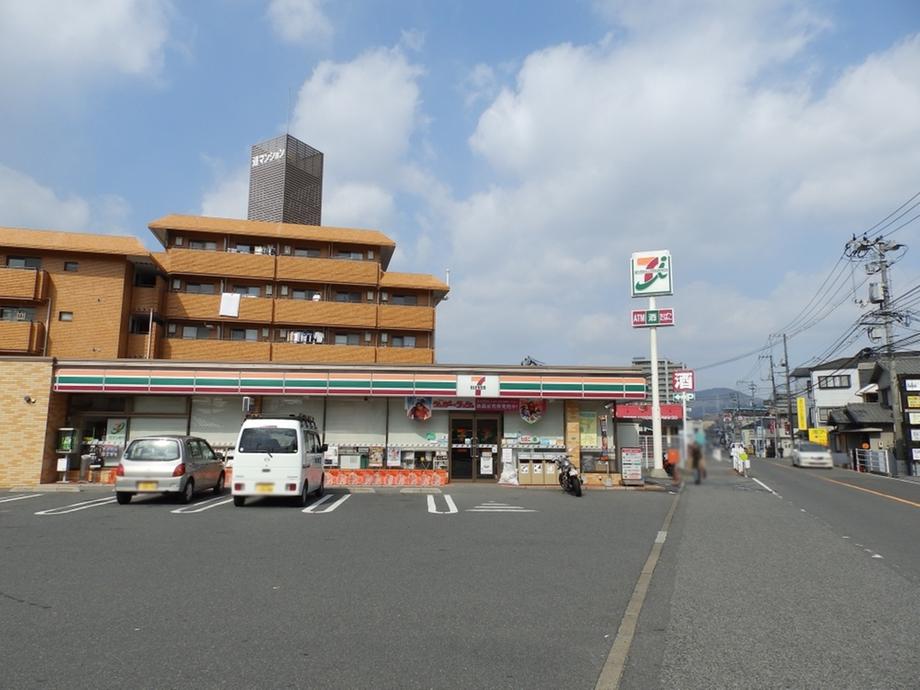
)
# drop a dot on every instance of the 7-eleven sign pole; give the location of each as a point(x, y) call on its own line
point(657, 450)
point(650, 276)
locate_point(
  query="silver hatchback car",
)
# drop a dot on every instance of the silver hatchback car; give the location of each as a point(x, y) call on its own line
point(168, 464)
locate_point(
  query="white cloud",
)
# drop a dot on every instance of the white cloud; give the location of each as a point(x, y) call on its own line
point(705, 132)
point(358, 205)
point(44, 41)
point(300, 20)
point(360, 114)
point(26, 203)
point(228, 197)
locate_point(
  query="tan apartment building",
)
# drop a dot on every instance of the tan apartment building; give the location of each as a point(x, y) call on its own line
point(223, 290)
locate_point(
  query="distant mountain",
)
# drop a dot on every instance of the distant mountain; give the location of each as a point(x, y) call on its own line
point(711, 401)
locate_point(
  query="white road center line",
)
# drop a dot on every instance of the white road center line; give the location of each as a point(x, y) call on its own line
point(203, 506)
point(662, 535)
point(19, 498)
point(74, 507)
point(330, 508)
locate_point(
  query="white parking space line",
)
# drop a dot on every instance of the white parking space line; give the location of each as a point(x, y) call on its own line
point(495, 507)
point(432, 506)
point(203, 506)
point(74, 507)
point(19, 498)
point(765, 486)
point(332, 506)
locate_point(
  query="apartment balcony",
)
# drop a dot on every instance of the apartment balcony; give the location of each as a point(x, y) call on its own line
point(409, 318)
point(298, 311)
point(143, 299)
point(23, 284)
point(341, 271)
point(183, 305)
point(322, 354)
point(22, 337)
point(213, 350)
point(405, 355)
point(227, 264)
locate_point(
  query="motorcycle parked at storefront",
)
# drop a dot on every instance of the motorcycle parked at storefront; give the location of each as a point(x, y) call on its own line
point(568, 475)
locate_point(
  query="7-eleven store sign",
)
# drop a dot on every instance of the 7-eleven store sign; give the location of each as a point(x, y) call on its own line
point(478, 386)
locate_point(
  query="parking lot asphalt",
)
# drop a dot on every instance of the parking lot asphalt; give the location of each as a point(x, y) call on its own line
point(478, 586)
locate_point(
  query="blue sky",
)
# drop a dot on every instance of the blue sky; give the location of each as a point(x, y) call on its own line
point(529, 147)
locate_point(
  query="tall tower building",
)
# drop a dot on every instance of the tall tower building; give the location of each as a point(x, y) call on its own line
point(286, 182)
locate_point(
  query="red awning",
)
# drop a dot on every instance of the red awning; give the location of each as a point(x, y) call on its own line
point(633, 411)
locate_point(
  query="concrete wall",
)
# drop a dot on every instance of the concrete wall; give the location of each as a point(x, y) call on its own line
point(23, 439)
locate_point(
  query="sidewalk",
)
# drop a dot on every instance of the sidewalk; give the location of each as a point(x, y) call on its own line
point(752, 592)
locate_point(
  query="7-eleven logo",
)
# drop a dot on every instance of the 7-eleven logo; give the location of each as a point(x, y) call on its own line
point(477, 386)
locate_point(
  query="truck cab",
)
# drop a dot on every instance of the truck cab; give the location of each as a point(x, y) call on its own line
point(278, 456)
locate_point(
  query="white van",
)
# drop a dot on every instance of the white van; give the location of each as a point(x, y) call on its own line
point(278, 456)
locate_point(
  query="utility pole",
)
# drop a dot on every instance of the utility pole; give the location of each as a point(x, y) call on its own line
point(788, 389)
point(886, 317)
point(775, 410)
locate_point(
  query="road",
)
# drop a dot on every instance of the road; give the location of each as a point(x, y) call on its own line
point(493, 588)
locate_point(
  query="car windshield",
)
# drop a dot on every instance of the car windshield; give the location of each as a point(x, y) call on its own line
point(268, 440)
point(153, 449)
point(811, 447)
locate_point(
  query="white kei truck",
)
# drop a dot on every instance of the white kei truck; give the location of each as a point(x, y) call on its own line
point(278, 456)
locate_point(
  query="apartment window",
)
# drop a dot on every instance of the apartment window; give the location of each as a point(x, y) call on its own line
point(347, 254)
point(403, 341)
point(306, 294)
point(139, 325)
point(65, 316)
point(71, 266)
point(202, 244)
point(310, 252)
point(347, 339)
point(171, 329)
point(243, 248)
point(410, 300)
point(17, 314)
point(248, 290)
point(179, 241)
point(176, 284)
point(200, 288)
point(823, 412)
point(384, 296)
point(145, 280)
point(269, 290)
point(384, 337)
point(370, 254)
point(196, 332)
point(244, 334)
point(347, 296)
point(284, 290)
point(838, 381)
point(370, 295)
point(23, 262)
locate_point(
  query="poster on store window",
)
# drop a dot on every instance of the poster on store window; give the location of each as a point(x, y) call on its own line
point(393, 457)
point(485, 464)
point(418, 408)
point(532, 411)
point(116, 431)
point(587, 426)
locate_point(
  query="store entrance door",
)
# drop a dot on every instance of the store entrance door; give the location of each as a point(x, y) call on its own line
point(474, 441)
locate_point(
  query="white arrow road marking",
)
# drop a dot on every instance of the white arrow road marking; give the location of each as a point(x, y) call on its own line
point(332, 506)
point(451, 506)
point(74, 507)
point(765, 486)
point(203, 506)
point(18, 498)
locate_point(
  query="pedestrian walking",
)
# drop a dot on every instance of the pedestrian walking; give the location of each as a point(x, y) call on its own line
point(697, 463)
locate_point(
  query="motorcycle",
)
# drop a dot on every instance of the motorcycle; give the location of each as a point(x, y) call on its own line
point(568, 475)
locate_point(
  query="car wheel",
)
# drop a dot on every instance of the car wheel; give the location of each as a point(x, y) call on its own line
point(187, 492)
point(322, 487)
point(219, 487)
point(304, 494)
point(239, 501)
point(123, 497)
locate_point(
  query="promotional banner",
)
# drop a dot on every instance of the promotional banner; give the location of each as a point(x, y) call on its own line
point(818, 436)
point(587, 428)
point(802, 414)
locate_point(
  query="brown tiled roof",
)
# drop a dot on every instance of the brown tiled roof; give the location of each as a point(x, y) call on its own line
point(261, 228)
point(421, 281)
point(73, 242)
